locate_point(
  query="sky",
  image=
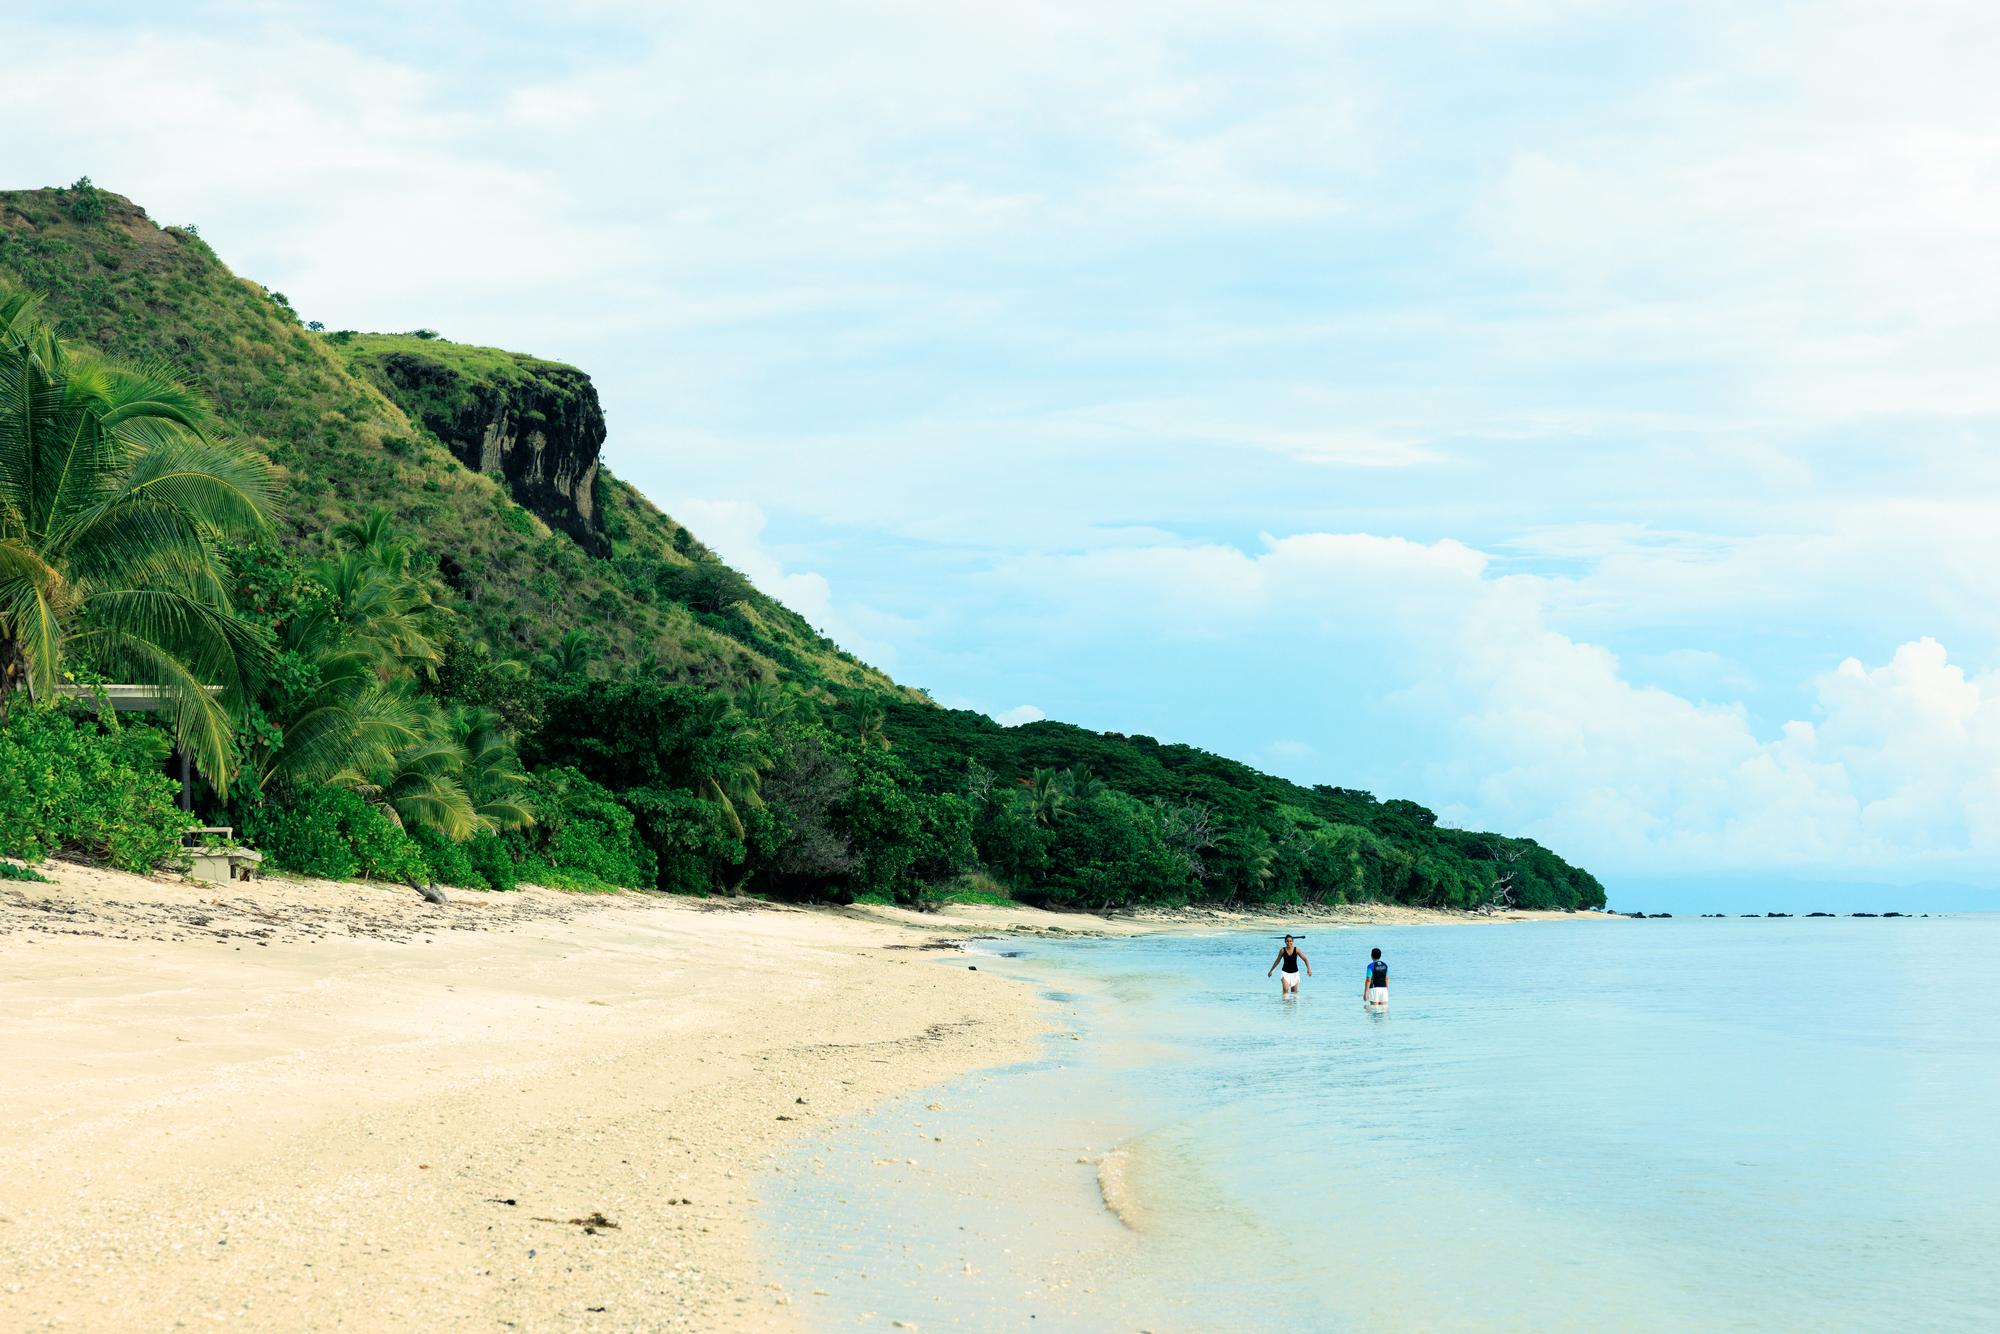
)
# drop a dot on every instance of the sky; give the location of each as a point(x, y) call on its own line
point(1577, 417)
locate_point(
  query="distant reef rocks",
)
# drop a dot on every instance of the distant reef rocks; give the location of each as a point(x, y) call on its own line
point(534, 424)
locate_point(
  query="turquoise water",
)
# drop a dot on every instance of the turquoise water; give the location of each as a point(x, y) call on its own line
point(1737, 1124)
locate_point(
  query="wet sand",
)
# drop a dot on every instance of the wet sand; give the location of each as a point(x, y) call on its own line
point(309, 1105)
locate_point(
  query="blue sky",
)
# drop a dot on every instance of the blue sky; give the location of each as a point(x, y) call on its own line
point(1577, 417)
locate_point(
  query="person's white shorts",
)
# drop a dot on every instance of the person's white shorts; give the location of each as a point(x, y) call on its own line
point(1378, 995)
point(1291, 981)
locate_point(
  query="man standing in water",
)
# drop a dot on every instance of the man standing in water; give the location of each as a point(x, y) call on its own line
point(1375, 981)
point(1291, 957)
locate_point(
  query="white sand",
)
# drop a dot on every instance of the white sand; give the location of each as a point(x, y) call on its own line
point(301, 1105)
point(311, 1128)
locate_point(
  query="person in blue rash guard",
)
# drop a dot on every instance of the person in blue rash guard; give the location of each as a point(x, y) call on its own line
point(1375, 981)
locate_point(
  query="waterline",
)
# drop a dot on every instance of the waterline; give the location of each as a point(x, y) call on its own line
point(1718, 1124)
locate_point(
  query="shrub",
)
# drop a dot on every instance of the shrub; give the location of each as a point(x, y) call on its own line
point(481, 862)
point(86, 785)
point(334, 833)
point(493, 861)
point(448, 862)
point(86, 201)
point(582, 837)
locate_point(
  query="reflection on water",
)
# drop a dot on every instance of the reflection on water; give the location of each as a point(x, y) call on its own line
point(1714, 1124)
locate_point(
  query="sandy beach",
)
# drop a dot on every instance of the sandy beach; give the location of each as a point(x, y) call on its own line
point(300, 1105)
point(305, 1105)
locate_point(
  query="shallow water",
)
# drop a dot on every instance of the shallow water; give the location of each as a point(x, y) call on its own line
point(1734, 1124)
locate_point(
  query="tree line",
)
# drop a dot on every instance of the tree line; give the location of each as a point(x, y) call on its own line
point(350, 721)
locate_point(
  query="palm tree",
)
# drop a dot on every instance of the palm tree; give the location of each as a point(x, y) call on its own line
point(422, 784)
point(1083, 784)
point(868, 722)
point(350, 721)
point(493, 774)
point(733, 770)
point(573, 655)
point(453, 772)
point(114, 492)
point(1049, 790)
point(376, 537)
point(768, 702)
point(391, 611)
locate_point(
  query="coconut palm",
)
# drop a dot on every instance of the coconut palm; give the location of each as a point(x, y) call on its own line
point(1048, 791)
point(1083, 784)
point(423, 784)
point(114, 491)
point(575, 654)
point(493, 776)
point(732, 767)
point(388, 610)
point(350, 721)
point(868, 722)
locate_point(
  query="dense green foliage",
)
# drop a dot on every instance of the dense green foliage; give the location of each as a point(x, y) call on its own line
point(336, 833)
point(499, 703)
point(79, 782)
point(115, 495)
point(1067, 812)
point(150, 296)
point(582, 838)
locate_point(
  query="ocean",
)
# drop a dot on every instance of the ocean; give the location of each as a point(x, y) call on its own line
point(1768, 1124)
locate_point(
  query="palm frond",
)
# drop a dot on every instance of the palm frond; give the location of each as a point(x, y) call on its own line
point(200, 723)
point(217, 483)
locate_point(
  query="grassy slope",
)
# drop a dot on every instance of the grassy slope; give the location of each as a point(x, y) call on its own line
point(150, 294)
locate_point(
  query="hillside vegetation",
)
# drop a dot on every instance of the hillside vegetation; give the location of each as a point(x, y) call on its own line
point(451, 647)
point(152, 295)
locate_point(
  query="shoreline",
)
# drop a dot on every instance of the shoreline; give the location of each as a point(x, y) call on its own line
point(307, 1104)
point(299, 1104)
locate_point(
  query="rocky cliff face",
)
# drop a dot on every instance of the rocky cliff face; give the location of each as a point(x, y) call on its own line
point(536, 424)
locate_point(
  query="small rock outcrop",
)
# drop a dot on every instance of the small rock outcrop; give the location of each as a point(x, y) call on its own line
point(535, 424)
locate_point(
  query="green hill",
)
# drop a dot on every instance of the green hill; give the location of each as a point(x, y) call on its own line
point(665, 760)
point(367, 422)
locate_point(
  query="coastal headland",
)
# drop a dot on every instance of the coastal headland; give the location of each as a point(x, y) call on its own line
point(312, 1105)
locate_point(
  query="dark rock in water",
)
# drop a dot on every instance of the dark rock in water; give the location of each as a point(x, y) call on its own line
point(1861, 914)
point(1819, 914)
point(1892, 914)
point(1663, 914)
point(1746, 914)
point(1777, 914)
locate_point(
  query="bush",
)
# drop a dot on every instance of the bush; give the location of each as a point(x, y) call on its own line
point(481, 862)
point(448, 861)
point(582, 837)
point(334, 833)
point(87, 785)
point(493, 861)
point(86, 201)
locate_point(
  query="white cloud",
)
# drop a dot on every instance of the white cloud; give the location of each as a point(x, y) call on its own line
point(1045, 307)
point(1519, 726)
point(1020, 713)
point(734, 530)
point(1809, 202)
